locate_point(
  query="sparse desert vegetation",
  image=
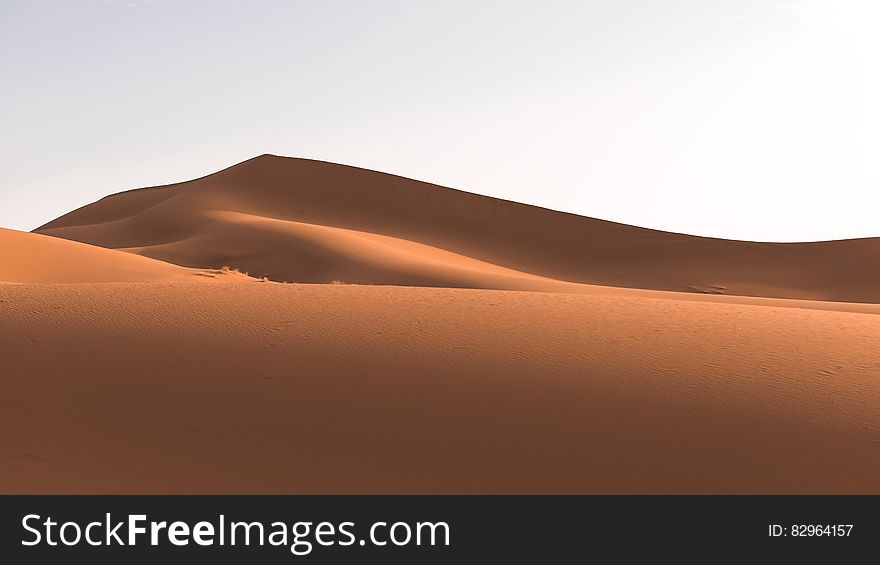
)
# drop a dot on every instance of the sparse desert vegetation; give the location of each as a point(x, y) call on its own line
point(227, 270)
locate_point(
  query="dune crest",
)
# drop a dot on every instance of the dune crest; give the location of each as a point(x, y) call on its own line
point(311, 221)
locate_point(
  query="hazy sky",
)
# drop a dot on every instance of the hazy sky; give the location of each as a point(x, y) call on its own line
point(749, 119)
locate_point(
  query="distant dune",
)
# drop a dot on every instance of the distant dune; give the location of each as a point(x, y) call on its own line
point(310, 221)
point(34, 258)
point(762, 377)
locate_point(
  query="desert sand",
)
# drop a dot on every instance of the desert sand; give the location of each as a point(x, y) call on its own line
point(482, 358)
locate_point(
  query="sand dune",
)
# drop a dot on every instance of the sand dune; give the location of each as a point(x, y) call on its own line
point(34, 258)
point(301, 250)
point(603, 378)
point(310, 221)
point(175, 387)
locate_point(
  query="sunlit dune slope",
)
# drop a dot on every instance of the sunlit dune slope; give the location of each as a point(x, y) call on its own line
point(34, 258)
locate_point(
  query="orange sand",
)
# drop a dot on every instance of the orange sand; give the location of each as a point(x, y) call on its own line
point(138, 379)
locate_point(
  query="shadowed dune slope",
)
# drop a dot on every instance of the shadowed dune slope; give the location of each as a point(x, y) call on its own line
point(34, 258)
point(273, 388)
point(311, 221)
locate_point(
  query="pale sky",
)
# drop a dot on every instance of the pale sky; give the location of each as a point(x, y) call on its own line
point(746, 119)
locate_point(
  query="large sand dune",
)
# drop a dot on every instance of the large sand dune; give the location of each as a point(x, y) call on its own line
point(138, 380)
point(175, 387)
point(311, 221)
